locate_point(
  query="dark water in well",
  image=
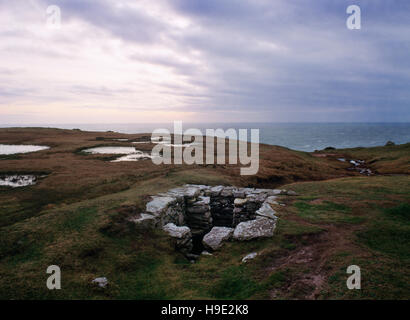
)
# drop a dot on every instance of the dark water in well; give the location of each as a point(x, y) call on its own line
point(297, 136)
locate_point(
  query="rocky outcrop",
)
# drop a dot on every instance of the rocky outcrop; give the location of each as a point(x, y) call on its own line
point(253, 229)
point(215, 238)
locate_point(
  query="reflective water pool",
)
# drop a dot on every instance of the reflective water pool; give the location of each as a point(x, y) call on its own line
point(16, 181)
point(111, 150)
point(15, 148)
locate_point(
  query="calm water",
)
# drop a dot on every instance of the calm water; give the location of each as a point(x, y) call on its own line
point(14, 149)
point(298, 136)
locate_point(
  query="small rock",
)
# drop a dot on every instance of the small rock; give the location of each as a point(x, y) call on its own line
point(206, 253)
point(249, 257)
point(101, 282)
point(291, 193)
point(240, 202)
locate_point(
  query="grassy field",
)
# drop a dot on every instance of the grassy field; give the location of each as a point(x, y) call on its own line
point(75, 218)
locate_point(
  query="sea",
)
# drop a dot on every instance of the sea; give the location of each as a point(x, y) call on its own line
point(297, 136)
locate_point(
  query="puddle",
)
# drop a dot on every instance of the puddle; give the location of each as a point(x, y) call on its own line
point(16, 181)
point(111, 150)
point(129, 153)
point(139, 155)
point(15, 148)
point(358, 165)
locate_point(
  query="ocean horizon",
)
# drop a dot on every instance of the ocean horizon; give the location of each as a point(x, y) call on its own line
point(297, 136)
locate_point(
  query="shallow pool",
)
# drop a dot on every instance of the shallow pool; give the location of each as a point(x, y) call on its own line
point(16, 181)
point(18, 148)
point(111, 150)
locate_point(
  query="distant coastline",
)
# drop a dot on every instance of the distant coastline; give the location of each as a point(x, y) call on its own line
point(296, 136)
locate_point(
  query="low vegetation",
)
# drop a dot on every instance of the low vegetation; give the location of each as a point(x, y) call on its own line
point(75, 218)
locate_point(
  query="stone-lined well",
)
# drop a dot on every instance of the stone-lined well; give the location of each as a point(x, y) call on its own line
point(202, 217)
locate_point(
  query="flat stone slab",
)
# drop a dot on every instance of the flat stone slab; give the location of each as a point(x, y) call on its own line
point(266, 211)
point(253, 229)
point(159, 204)
point(215, 238)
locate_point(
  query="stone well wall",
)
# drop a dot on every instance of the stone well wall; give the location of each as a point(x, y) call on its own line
point(200, 215)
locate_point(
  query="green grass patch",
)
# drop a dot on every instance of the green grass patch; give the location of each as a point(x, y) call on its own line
point(235, 283)
point(390, 233)
point(77, 220)
point(327, 212)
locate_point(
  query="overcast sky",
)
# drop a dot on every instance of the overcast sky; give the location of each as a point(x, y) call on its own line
point(204, 61)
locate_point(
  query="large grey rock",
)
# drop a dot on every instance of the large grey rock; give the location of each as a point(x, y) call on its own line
point(215, 238)
point(158, 205)
point(266, 211)
point(253, 229)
